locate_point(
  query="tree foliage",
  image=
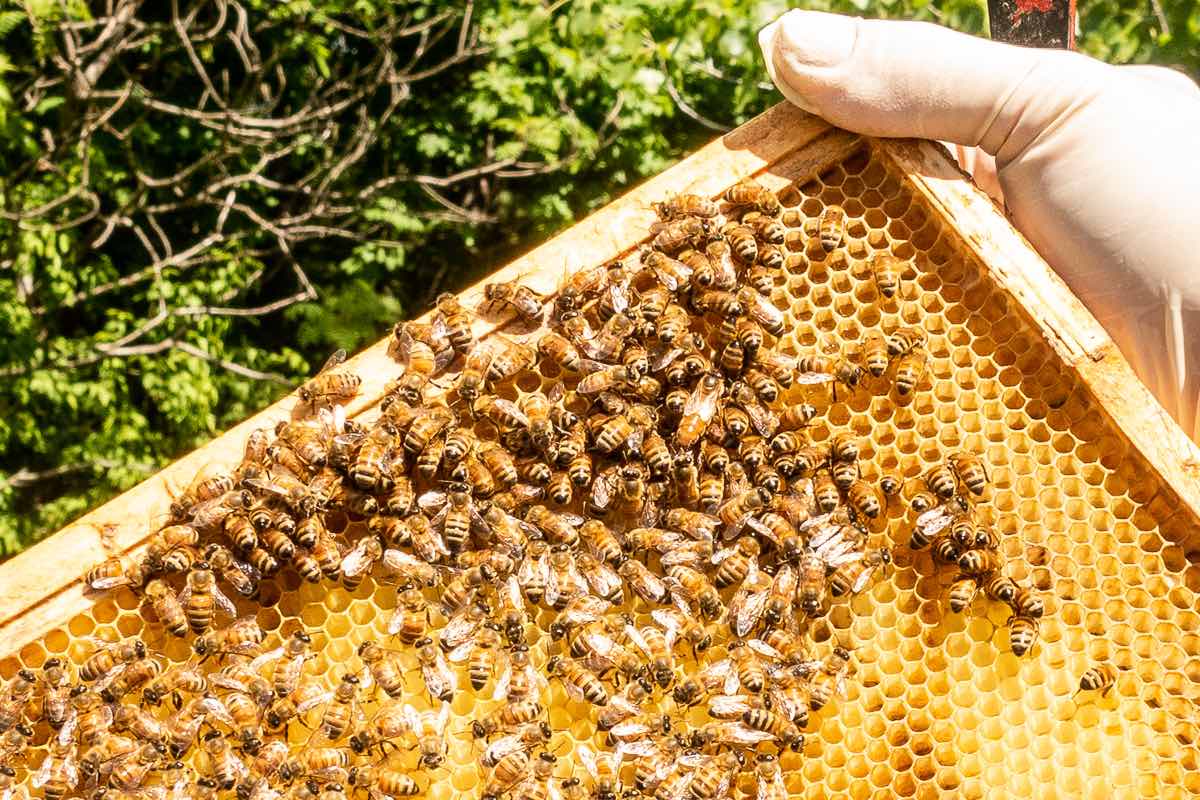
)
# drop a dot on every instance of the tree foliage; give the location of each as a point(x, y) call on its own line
point(199, 199)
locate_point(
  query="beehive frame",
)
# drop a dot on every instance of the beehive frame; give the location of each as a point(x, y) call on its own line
point(909, 728)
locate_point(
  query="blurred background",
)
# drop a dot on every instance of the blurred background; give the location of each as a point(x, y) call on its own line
point(201, 199)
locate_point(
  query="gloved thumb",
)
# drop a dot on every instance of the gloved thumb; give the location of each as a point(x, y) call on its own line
point(888, 78)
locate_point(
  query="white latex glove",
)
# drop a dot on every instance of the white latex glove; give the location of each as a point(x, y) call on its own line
point(1099, 165)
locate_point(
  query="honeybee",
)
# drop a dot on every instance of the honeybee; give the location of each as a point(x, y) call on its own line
point(456, 321)
point(1027, 603)
point(910, 369)
point(120, 682)
point(742, 241)
point(830, 678)
point(685, 205)
point(887, 271)
point(176, 681)
point(781, 728)
point(1022, 634)
point(383, 781)
point(979, 562)
point(98, 665)
point(342, 710)
point(359, 561)
point(672, 273)
point(114, 572)
point(904, 340)
point(815, 368)
point(609, 342)
point(736, 512)
point(875, 354)
point(58, 774)
point(1101, 677)
point(714, 775)
point(852, 577)
point(734, 562)
point(331, 387)
point(749, 192)
point(385, 667)
point(440, 681)
point(831, 228)
point(580, 682)
point(644, 583)
point(693, 586)
point(864, 499)
point(201, 598)
point(673, 324)
point(678, 234)
point(525, 302)
point(699, 410)
point(962, 592)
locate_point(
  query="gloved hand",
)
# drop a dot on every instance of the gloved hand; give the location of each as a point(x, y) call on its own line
point(1099, 165)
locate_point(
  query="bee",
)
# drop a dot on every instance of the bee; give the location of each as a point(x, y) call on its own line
point(58, 774)
point(674, 274)
point(440, 681)
point(1027, 603)
point(201, 598)
point(580, 682)
point(507, 773)
point(749, 192)
point(383, 781)
point(56, 706)
point(358, 562)
point(890, 483)
point(999, 587)
point(241, 532)
point(608, 343)
point(385, 667)
point(887, 271)
point(698, 412)
point(910, 369)
point(167, 607)
point(979, 562)
point(825, 491)
point(780, 727)
point(657, 647)
point(941, 481)
point(831, 228)
point(693, 586)
point(735, 512)
point(140, 723)
point(289, 662)
point(1022, 634)
point(733, 563)
point(241, 576)
point(456, 321)
point(822, 369)
point(421, 362)
point(811, 585)
point(99, 664)
point(525, 302)
point(713, 776)
point(331, 387)
point(748, 667)
point(875, 354)
point(558, 350)
point(560, 488)
point(678, 234)
point(852, 577)
point(644, 583)
point(673, 324)
point(864, 499)
point(131, 677)
point(685, 479)
point(685, 205)
point(114, 572)
point(342, 710)
point(425, 428)
point(945, 550)
point(830, 678)
point(962, 592)
point(371, 469)
point(969, 468)
point(176, 681)
point(1101, 677)
point(903, 341)
point(742, 241)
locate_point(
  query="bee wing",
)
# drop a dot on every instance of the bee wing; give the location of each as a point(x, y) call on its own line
point(224, 603)
point(630, 728)
point(745, 735)
point(396, 621)
point(667, 619)
point(550, 578)
point(505, 679)
point(701, 403)
point(459, 629)
point(844, 558)
point(432, 500)
point(588, 757)
point(935, 520)
point(762, 418)
point(336, 357)
point(442, 718)
point(862, 579)
point(66, 734)
point(266, 658)
point(213, 707)
point(811, 378)
point(43, 774)
point(604, 580)
point(109, 583)
point(751, 612)
point(773, 789)
point(358, 560)
point(764, 649)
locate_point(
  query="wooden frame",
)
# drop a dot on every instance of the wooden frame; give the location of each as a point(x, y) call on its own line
point(42, 588)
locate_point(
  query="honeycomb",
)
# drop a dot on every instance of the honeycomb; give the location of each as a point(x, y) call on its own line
point(936, 702)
